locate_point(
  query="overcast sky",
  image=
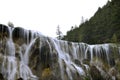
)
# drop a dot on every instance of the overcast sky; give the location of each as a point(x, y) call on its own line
point(45, 15)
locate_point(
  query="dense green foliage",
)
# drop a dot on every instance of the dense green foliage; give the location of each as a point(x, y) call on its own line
point(101, 28)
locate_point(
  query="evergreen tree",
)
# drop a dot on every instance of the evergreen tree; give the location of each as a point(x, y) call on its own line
point(114, 39)
point(100, 27)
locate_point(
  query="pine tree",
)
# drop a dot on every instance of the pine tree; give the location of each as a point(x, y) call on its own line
point(114, 39)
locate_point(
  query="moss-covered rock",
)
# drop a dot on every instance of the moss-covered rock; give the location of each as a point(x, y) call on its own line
point(43, 60)
point(86, 61)
point(76, 61)
point(4, 31)
point(51, 59)
point(18, 35)
point(95, 73)
point(46, 73)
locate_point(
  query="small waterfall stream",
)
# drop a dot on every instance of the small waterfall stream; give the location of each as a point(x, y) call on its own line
point(32, 56)
point(12, 67)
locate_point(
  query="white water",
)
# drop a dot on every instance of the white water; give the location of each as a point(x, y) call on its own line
point(12, 67)
point(68, 52)
point(66, 59)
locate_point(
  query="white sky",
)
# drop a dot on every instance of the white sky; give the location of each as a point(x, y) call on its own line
point(45, 15)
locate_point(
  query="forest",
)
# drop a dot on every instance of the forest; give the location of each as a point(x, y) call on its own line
point(102, 27)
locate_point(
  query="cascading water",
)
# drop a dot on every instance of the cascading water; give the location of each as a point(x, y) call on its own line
point(66, 59)
point(12, 68)
point(32, 56)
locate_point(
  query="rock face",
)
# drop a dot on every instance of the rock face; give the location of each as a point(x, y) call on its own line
point(1, 77)
point(28, 55)
point(95, 73)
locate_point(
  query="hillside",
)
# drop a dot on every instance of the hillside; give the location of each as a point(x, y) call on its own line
point(103, 27)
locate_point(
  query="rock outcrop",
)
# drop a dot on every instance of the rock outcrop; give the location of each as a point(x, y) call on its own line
point(28, 55)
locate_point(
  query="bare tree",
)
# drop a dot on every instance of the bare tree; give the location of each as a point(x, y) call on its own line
point(82, 20)
point(59, 33)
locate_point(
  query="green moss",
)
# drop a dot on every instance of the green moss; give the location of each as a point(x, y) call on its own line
point(87, 78)
point(46, 72)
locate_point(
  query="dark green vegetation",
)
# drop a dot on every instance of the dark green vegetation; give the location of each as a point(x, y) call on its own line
point(103, 27)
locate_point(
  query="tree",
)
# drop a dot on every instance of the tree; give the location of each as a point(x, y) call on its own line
point(114, 38)
point(100, 27)
point(59, 33)
point(72, 28)
point(82, 20)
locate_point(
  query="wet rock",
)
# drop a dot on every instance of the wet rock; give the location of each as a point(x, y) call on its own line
point(112, 72)
point(30, 35)
point(112, 62)
point(86, 61)
point(117, 66)
point(45, 55)
point(39, 57)
point(43, 58)
point(17, 55)
point(118, 77)
point(18, 35)
point(4, 31)
point(95, 73)
point(77, 62)
point(42, 51)
point(1, 77)
point(46, 73)
point(107, 77)
point(46, 62)
point(20, 79)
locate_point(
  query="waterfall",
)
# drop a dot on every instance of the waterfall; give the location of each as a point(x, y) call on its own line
point(12, 67)
point(31, 56)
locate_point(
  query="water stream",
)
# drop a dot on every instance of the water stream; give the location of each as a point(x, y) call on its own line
point(14, 57)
